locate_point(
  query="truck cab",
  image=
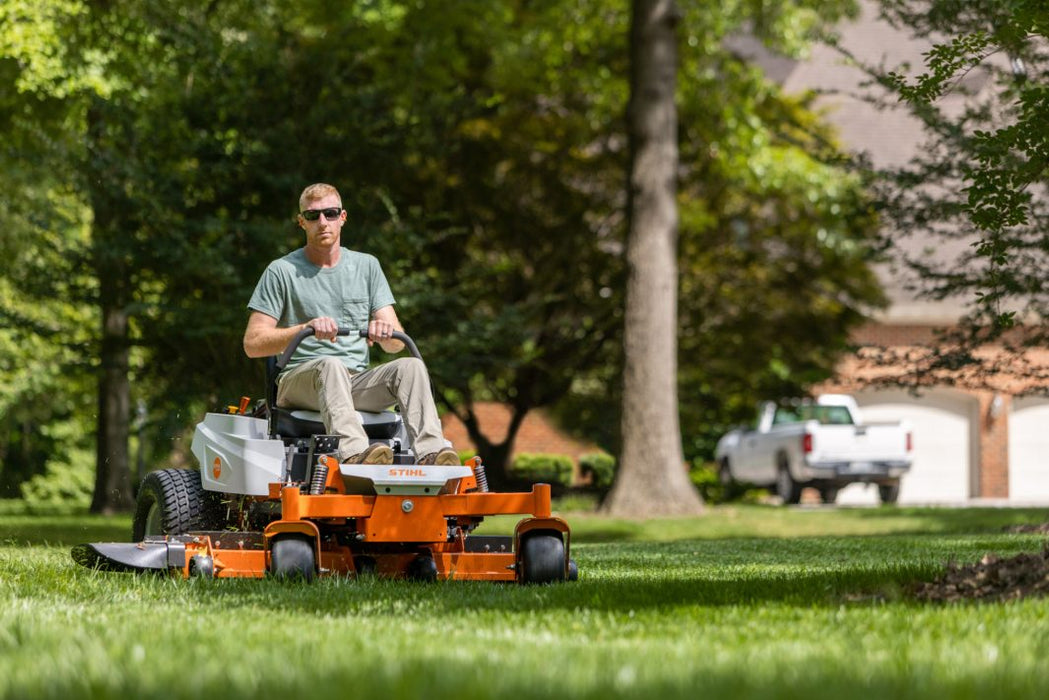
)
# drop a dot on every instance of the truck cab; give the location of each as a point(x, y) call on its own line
point(821, 443)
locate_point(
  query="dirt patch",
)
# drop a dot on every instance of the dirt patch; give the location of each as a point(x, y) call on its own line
point(1028, 529)
point(991, 579)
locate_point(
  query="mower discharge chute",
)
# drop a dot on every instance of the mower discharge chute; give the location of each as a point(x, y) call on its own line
point(271, 497)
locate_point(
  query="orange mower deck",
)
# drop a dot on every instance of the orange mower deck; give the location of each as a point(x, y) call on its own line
point(422, 532)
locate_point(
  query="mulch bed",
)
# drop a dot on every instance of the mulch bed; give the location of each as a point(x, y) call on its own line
point(1027, 529)
point(990, 579)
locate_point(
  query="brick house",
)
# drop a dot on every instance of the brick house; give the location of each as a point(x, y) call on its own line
point(537, 434)
point(968, 444)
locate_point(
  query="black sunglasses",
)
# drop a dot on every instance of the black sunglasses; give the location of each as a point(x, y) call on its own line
point(330, 214)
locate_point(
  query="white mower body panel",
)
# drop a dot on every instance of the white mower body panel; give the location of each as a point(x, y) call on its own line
point(399, 479)
point(236, 455)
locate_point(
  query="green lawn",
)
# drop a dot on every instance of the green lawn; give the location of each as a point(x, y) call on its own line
point(744, 602)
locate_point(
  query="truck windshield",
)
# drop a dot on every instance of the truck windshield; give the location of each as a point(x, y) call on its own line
point(826, 415)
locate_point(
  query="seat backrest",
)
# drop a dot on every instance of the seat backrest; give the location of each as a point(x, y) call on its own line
point(271, 393)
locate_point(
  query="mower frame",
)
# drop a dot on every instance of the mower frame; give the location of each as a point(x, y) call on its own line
point(403, 520)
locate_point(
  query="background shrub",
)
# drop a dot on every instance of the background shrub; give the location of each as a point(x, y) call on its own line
point(64, 486)
point(602, 468)
point(552, 469)
point(704, 476)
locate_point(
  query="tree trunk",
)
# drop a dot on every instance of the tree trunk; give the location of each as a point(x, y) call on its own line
point(112, 468)
point(652, 478)
point(112, 472)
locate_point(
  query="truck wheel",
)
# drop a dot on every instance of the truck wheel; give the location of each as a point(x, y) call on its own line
point(172, 502)
point(889, 493)
point(829, 494)
point(542, 559)
point(292, 556)
point(725, 474)
point(786, 488)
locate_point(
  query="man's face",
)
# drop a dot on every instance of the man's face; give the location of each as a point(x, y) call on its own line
point(322, 230)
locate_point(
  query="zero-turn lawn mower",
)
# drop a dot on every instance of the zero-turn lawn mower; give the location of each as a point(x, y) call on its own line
point(270, 497)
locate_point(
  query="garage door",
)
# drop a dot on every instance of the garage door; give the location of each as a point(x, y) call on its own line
point(1029, 450)
point(941, 423)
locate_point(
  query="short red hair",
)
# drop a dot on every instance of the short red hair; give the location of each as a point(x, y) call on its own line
point(317, 191)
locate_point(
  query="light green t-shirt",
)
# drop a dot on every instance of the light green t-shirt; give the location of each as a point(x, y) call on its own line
point(293, 290)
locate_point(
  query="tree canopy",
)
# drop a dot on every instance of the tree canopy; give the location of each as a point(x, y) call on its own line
point(154, 152)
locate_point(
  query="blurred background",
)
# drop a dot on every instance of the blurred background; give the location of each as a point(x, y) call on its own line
point(153, 153)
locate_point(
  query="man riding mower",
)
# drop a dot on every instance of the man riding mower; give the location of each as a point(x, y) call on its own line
point(272, 498)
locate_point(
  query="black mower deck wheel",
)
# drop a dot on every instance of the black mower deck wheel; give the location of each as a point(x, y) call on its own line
point(201, 566)
point(542, 558)
point(293, 557)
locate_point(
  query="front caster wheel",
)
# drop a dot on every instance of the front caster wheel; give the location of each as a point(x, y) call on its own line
point(542, 559)
point(423, 568)
point(293, 557)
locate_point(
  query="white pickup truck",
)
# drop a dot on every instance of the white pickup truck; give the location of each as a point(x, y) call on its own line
point(818, 443)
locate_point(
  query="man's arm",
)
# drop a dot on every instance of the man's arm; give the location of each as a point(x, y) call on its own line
point(384, 322)
point(263, 338)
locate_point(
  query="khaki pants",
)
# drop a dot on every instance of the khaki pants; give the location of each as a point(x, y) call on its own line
point(326, 385)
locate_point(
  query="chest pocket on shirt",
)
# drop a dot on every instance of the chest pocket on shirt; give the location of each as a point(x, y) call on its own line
point(354, 314)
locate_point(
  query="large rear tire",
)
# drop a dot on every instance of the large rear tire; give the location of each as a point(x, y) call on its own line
point(172, 502)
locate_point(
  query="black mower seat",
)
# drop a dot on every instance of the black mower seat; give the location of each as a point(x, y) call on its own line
point(299, 423)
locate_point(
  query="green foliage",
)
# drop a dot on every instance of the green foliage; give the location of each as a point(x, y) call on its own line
point(770, 223)
point(704, 476)
point(61, 476)
point(776, 235)
point(45, 400)
point(67, 484)
point(977, 187)
point(154, 151)
point(552, 469)
point(601, 466)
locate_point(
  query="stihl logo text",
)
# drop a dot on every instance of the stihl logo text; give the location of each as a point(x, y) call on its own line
point(407, 472)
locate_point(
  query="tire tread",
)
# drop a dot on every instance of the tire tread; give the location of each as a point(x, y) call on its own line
point(184, 504)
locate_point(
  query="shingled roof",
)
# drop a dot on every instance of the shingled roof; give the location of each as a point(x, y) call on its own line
point(886, 133)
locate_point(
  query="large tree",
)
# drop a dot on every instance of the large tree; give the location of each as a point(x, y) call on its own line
point(520, 200)
point(775, 236)
point(652, 476)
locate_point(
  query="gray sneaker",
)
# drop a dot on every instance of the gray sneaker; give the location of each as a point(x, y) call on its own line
point(377, 453)
point(445, 458)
